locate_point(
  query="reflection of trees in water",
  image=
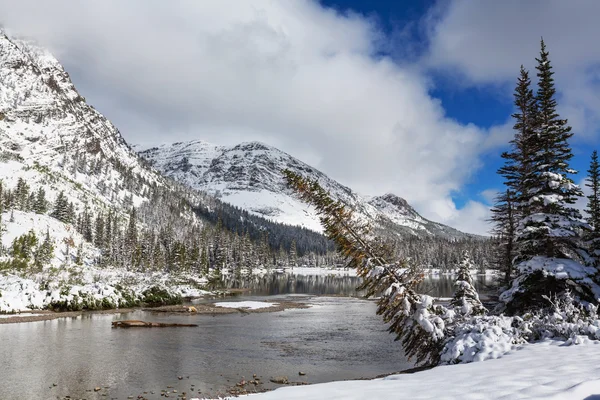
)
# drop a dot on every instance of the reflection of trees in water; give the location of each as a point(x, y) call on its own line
point(273, 284)
point(443, 285)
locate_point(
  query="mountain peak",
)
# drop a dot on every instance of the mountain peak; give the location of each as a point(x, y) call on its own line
point(248, 175)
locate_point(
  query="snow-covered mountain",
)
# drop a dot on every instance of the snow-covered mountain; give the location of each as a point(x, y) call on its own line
point(53, 145)
point(47, 128)
point(248, 175)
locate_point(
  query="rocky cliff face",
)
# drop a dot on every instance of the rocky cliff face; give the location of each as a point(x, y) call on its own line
point(47, 126)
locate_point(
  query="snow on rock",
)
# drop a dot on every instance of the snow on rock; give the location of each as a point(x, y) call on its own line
point(253, 305)
point(45, 124)
point(536, 371)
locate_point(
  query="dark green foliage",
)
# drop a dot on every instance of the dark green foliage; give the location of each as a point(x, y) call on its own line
point(537, 287)
point(63, 210)
point(45, 252)
point(40, 205)
point(550, 223)
point(505, 227)
point(540, 195)
point(22, 195)
point(156, 296)
point(593, 182)
point(593, 208)
point(22, 252)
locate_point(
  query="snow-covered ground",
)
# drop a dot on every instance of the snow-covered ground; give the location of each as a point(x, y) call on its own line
point(322, 271)
point(252, 305)
point(430, 272)
point(20, 315)
point(545, 370)
point(62, 281)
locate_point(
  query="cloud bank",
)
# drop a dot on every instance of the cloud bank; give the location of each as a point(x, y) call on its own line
point(296, 75)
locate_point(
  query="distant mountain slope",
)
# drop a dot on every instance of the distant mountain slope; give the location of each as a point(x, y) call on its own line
point(248, 176)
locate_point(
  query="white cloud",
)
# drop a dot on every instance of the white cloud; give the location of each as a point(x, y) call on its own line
point(485, 42)
point(473, 218)
point(582, 202)
point(489, 195)
point(290, 73)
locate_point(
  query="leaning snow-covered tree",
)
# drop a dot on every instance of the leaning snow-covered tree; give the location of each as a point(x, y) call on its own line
point(420, 325)
point(466, 299)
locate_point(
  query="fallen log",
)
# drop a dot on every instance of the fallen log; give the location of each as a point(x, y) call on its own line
point(137, 323)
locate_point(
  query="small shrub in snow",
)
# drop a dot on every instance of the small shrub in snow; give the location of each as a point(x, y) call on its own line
point(466, 299)
point(564, 320)
point(479, 339)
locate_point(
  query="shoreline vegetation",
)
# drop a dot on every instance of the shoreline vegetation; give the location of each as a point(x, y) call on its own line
point(195, 309)
point(110, 291)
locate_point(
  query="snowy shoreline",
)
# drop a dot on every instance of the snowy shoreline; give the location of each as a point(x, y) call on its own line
point(89, 288)
point(533, 371)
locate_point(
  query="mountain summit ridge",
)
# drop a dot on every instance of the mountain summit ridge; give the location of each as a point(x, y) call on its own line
point(248, 175)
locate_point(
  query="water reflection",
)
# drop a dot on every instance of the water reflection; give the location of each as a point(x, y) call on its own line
point(340, 284)
point(338, 338)
point(286, 283)
point(83, 353)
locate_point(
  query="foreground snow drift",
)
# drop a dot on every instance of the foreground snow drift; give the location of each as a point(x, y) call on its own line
point(537, 371)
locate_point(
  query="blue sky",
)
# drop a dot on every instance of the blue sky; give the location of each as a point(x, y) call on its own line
point(485, 105)
point(408, 97)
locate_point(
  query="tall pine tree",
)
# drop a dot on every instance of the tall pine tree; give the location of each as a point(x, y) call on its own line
point(593, 207)
point(549, 233)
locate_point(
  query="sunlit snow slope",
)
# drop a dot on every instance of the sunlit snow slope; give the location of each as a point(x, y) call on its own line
point(248, 175)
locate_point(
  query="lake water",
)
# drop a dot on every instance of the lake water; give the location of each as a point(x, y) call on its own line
point(337, 338)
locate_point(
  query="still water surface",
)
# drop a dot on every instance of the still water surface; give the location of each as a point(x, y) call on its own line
point(337, 338)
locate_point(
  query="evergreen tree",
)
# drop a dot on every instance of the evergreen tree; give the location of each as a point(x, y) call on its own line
point(293, 254)
point(416, 322)
point(549, 228)
point(99, 231)
point(593, 182)
point(45, 252)
point(505, 219)
point(593, 207)
point(22, 195)
point(466, 300)
point(40, 205)
point(131, 236)
point(62, 209)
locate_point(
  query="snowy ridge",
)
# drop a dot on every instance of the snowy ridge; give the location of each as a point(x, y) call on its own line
point(44, 122)
point(248, 176)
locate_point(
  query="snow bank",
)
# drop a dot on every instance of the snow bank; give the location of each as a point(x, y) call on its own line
point(537, 371)
point(253, 305)
point(92, 288)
